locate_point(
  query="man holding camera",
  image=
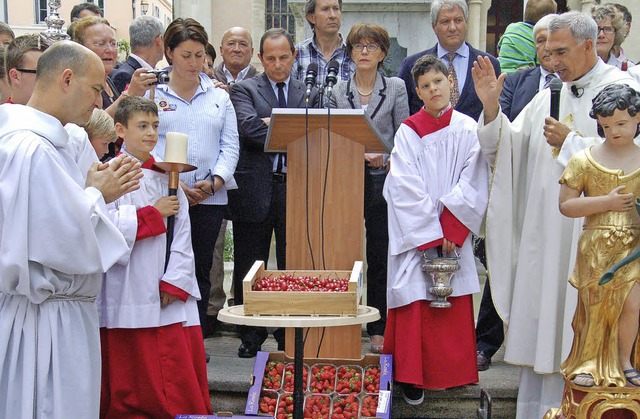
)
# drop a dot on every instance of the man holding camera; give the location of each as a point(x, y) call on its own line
point(147, 49)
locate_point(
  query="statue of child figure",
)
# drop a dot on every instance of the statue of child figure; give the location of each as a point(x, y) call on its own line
point(600, 184)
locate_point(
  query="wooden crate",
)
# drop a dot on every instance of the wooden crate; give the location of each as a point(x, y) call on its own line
point(302, 303)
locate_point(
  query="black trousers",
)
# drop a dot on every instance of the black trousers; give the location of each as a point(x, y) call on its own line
point(489, 328)
point(377, 233)
point(251, 242)
point(205, 226)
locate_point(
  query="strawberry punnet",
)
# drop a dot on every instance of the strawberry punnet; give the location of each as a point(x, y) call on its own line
point(323, 379)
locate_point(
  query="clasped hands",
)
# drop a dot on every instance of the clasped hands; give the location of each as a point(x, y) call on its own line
point(202, 189)
point(116, 178)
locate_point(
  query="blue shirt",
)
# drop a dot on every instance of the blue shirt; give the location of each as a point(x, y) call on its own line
point(460, 62)
point(210, 122)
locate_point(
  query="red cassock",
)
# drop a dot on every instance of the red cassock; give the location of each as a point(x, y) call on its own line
point(437, 188)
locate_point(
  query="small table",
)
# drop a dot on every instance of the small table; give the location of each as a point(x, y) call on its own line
point(235, 315)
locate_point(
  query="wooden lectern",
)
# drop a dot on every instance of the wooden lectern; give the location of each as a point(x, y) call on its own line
point(325, 195)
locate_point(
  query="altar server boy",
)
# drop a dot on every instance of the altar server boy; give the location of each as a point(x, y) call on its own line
point(437, 192)
point(153, 359)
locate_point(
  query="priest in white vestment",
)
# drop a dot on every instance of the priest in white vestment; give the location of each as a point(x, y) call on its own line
point(530, 245)
point(56, 239)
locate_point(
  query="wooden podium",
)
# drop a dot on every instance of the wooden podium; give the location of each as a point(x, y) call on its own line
point(325, 195)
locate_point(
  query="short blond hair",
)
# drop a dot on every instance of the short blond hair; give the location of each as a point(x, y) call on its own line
point(101, 126)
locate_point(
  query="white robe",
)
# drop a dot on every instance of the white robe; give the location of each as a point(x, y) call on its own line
point(80, 148)
point(441, 169)
point(56, 239)
point(530, 245)
point(130, 294)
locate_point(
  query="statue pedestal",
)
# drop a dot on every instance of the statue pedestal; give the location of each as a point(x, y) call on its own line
point(597, 403)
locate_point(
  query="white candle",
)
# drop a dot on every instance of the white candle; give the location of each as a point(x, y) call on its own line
point(176, 149)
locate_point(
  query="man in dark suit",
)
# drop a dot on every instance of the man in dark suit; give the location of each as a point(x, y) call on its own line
point(449, 21)
point(147, 48)
point(236, 50)
point(517, 91)
point(258, 206)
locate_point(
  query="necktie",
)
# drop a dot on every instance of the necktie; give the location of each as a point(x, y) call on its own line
point(455, 93)
point(282, 100)
point(547, 79)
point(282, 103)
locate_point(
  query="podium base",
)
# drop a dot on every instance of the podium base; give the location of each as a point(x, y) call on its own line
point(339, 342)
point(597, 403)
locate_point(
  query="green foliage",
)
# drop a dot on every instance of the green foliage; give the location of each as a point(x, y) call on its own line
point(124, 47)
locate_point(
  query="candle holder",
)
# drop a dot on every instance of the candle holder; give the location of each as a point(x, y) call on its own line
point(176, 154)
point(54, 32)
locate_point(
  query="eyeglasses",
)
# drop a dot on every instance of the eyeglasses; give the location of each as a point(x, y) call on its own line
point(27, 70)
point(608, 30)
point(105, 44)
point(369, 47)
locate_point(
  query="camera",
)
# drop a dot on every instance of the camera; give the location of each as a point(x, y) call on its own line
point(161, 75)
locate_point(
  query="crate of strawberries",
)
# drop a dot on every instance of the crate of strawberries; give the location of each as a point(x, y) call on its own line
point(301, 292)
point(333, 388)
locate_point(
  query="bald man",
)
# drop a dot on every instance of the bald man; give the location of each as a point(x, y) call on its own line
point(56, 239)
point(236, 50)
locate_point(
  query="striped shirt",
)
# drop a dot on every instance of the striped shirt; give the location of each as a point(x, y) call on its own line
point(517, 47)
point(309, 52)
point(210, 122)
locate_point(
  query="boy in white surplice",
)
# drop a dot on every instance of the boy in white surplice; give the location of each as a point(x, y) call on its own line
point(437, 192)
point(153, 359)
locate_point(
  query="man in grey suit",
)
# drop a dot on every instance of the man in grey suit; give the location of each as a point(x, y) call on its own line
point(147, 49)
point(258, 206)
point(236, 49)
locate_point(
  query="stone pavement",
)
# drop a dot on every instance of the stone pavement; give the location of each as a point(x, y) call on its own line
point(230, 379)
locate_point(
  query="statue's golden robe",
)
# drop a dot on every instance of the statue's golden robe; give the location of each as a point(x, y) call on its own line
point(606, 238)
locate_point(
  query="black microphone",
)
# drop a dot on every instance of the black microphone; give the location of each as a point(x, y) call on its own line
point(332, 76)
point(310, 79)
point(555, 86)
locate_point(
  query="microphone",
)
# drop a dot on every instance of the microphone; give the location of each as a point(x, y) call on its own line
point(310, 79)
point(332, 76)
point(555, 86)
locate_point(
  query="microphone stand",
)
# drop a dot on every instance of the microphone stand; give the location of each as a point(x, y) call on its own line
point(321, 88)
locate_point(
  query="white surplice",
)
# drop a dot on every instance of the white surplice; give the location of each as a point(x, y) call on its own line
point(56, 239)
point(130, 295)
point(443, 168)
point(530, 245)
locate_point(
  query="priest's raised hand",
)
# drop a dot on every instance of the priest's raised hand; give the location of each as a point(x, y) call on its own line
point(488, 87)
